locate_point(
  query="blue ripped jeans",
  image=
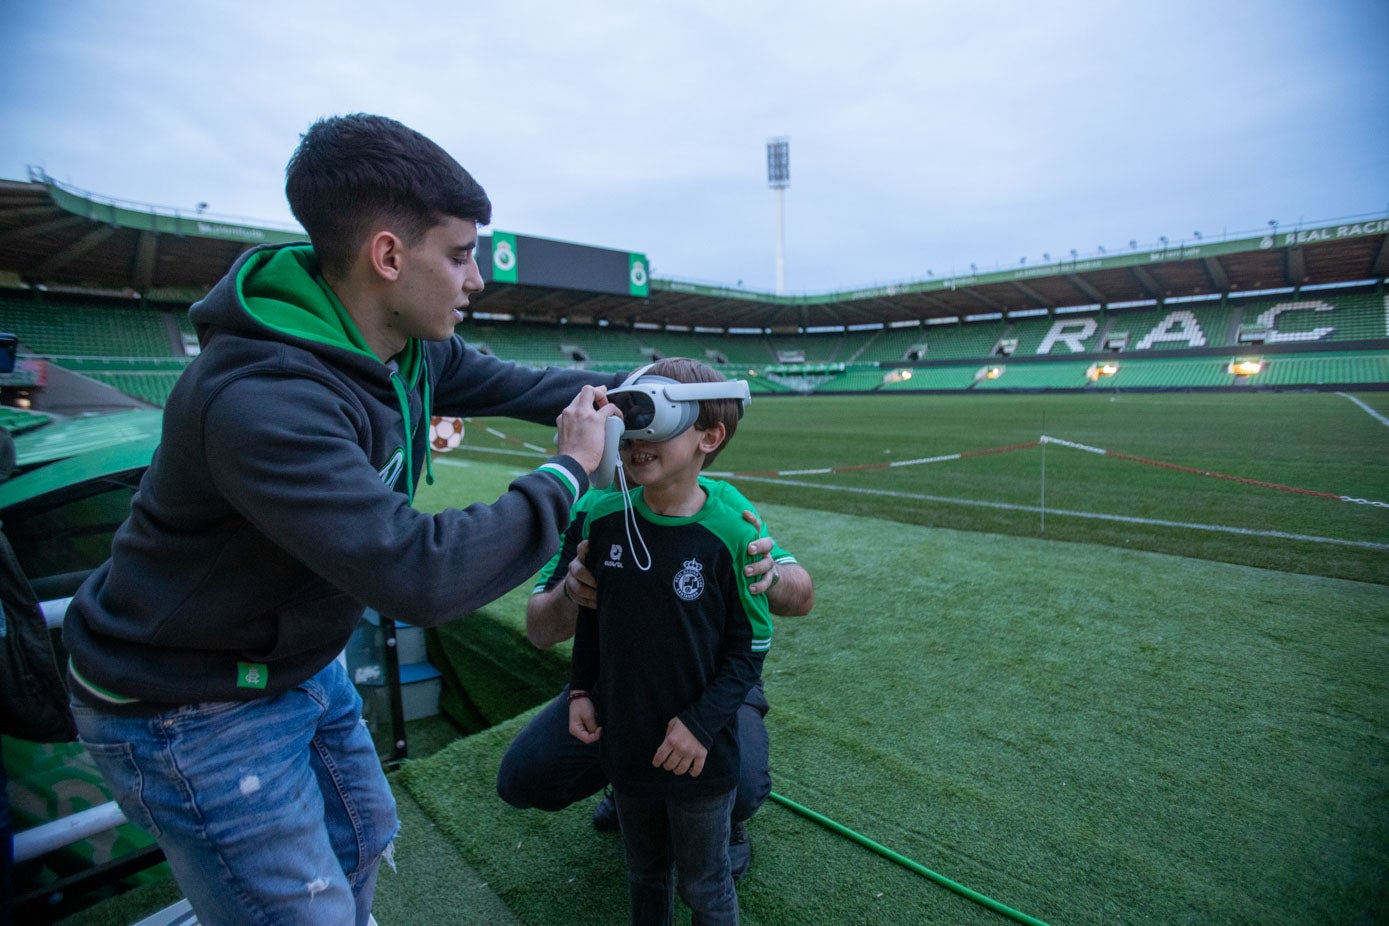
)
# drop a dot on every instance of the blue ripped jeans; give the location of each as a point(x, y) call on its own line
point(274, 810)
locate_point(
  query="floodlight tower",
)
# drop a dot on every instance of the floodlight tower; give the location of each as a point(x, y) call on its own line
point(779, 178)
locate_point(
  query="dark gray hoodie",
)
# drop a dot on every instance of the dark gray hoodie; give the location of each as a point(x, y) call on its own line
point(278, 503)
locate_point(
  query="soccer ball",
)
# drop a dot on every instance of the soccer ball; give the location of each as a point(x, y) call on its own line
point(445, 433)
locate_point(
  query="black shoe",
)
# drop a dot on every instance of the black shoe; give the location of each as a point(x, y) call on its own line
point(605, 814)
point(739, 850)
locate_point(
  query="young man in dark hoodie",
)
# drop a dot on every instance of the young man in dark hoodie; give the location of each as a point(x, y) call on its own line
point(278, 504)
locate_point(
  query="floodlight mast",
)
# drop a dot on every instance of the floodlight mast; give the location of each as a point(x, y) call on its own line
point(779, 178)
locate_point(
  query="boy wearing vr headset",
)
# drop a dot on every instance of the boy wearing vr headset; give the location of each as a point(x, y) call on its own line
point(545, 768)
point(664, 662)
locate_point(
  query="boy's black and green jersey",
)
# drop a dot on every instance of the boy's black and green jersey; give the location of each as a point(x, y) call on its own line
point(683, 638)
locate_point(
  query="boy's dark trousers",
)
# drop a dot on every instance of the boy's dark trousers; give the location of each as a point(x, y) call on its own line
point(690, 836)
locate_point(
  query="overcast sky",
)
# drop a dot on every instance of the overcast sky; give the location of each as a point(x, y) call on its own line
point(925, 136)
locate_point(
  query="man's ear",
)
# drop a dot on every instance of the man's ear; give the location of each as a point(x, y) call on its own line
point(386, 254)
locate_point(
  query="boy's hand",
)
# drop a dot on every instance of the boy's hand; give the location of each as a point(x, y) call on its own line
point(583, 721)
point(680, 752)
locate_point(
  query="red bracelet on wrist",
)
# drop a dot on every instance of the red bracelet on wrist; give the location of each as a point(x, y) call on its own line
point(576, 695)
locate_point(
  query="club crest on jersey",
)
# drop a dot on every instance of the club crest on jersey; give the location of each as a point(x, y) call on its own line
point(614, 556)
point(689, 582)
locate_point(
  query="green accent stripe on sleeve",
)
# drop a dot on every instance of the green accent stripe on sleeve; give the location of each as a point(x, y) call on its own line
point(563, 475)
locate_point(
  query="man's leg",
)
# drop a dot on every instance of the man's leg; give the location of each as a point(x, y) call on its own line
point(358, 807)
point(754, 756)
point(754, 777)
point(230, 792)
point(545, 767)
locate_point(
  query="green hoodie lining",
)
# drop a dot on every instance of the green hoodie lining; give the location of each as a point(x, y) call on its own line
point(284, 291)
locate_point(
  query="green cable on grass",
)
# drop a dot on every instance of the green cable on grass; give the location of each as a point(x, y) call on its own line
point(900, 859)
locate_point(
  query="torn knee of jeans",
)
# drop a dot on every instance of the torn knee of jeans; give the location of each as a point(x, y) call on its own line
point(317, 886)
point(388, 854)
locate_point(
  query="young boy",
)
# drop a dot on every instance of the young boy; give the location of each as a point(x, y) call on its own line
point(203, 670)
point(663, 664)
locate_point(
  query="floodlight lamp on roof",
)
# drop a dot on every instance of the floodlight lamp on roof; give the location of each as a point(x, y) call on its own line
point(1098, 370)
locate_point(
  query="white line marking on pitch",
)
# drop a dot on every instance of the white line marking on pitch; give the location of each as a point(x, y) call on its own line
point(1220, 528)
point(1369, 411)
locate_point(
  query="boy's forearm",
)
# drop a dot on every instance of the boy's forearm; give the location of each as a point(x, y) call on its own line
point(724, 695)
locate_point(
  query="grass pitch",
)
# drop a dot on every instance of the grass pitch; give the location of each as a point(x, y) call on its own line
point(1161, 699)
point(1316, 442)
point(1085, 734)
point(1139, 696)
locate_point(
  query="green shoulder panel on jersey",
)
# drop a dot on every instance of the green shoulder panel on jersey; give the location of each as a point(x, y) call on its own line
point(723, 515)
point(739, 500)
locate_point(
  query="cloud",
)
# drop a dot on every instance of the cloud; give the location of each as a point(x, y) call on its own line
point(924, 135)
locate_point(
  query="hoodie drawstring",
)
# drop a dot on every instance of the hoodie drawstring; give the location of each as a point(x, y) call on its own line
point(404, 399)
point(426, 422)
point(402, 396)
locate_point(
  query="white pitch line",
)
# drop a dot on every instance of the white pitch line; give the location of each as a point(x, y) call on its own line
point(1369, 411)
point(1067, 443)
point(1218, 528)
point(497, 433)
point(944, 459)
point(496, 450)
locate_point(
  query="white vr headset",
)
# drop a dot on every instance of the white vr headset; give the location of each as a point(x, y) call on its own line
point(657, 408)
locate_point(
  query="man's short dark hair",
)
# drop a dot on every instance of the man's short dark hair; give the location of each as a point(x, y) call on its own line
point(353, 174)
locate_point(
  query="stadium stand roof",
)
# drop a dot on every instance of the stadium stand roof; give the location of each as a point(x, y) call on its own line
point(56, 236)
